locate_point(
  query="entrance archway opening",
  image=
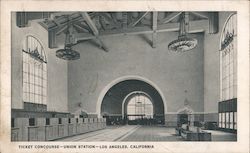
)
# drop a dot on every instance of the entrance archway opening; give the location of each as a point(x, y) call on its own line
point(139, 109)
point(132, 100)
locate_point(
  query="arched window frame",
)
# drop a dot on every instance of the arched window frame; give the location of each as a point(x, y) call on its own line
point(145, 106)
point(228, 75)
point(34, 71)
point(228, 59)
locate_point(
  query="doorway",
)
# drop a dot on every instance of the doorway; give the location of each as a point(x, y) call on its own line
point(116, 99)
point(139, 110)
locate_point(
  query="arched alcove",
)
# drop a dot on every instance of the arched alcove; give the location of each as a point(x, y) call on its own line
point(185, 115)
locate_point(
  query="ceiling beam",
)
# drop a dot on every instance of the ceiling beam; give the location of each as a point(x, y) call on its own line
point(90, 23)
point(194, 27)
point(114, 19)
point(43, 24)
point(103, 23)
point(81, 27)
point(57, 23)
point(95, 31)
point(202, 15)
point(138, 20)
point(124, 20)
point(61, 29)
point(111, 21)
point(72, 20)
point(154, 36)
point(59, 14)
point(170, 17)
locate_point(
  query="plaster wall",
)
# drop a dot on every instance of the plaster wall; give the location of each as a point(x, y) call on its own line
point(57, 90)
point(172, 72)
point(212, 67)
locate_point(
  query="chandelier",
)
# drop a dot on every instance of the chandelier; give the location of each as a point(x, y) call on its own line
point(183, 43)
point(67, 53)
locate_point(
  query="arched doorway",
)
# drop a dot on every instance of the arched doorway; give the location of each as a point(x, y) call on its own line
point(139, 109)
point(116, 99)
point(130, 96)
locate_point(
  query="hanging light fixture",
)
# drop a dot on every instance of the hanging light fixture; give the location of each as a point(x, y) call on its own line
point(183, 43)
point(67, 53)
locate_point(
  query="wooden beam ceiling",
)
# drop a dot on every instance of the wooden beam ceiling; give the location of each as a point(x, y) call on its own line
point(95, 31)
point(124, 25)
point(59, 14)
point(110, 19)
point(124, 20)
point(170, 17)
point(82, 27)
point(202, 15)
point(138, 20)
point(54, 24)
point(194, 27)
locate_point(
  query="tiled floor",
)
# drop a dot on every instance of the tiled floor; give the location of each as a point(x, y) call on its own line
point(142, 133)
point(153, 133)
point(222, 136)
point(111, 133)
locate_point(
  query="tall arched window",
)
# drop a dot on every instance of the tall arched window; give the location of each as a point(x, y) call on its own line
point(228, 75)
point(139, 106)
point(228, 63)
point(34, 71)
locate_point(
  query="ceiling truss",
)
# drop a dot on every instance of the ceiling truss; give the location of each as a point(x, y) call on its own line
point(97, 25)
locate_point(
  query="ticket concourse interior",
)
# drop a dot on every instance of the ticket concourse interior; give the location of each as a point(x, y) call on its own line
point(124, 76)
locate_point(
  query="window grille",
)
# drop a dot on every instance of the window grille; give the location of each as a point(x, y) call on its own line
point(34, 71)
